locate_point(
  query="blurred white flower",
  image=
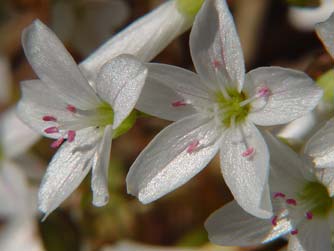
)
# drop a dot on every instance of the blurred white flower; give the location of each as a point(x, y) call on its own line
point(303, 208)
point(63, 106)
point(216, 110)
point(85, 24)
point(305, 18)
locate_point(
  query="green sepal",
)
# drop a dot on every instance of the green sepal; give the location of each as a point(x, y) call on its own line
point(326, 82)
point(126, 125)
point(189, 7)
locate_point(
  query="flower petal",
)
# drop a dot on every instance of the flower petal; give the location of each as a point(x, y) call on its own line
point(174, 156)
point(246, 176)
point(36, 102)
point(170, 91)
point(67, 169)
point(144, 38)
point(55, 67)
point(326, 176)
point(316, 235)
point(292, 94)
point(326, 34)
point(119, 83)
point(215, 45)
point(100, 169)
point(12, 131)
point(232, 226)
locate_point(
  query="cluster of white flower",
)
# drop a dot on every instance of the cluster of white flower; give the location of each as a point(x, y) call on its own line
point(277, 191)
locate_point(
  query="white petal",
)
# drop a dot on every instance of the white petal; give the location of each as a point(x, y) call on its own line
point(15, 136)
point(326, 34)
point(119, 83)
point(37, 102)
point(5, 80)
point(214, 39)
point(165, 85)
point(292, 95)
point(321, 142)
point(100, 169)
point(232, 226)
point(55, 66)
point(174, 156)
point(144, 38)
point(315, 235)
point(288, 176)
point(246, 177)
point(326, 177)
point(68, 168)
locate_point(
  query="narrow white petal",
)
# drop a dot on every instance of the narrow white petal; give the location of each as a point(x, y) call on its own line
point(315, 235)
point(288, 176)
point(326, 34)
point(170, 92)
point(174, 156)
point(5, 80)
point(246, 177)
point(37, 101)
point(214, 41)
point(144, 38)
point(15, 136)
point(120, 83)
point(292, 94)
point(320, 146)
point(232, 226)
point(67, 169)
point(55, 66)
point(100, 169)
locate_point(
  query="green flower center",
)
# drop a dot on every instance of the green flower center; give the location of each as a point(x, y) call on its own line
point(315, 195)
point(189, 7)
point(231, 110)
point(105, 114)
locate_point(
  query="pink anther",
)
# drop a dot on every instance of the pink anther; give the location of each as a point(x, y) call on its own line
point(291, 202)
point(249, 152)
point(179, 103)
point(309, 215)
point(279, 195)
point(49, 118)
point(57, 143)
point(216, 64)
point(71, 135)
point(274, 221)
point(71, 108)
point(193, 146)
point(51, 130)
point(263, 92)
point(294, 232)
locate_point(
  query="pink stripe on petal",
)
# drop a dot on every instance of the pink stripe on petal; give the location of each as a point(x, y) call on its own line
point(57, 143)
point(71, 136)
point(193, 146)
point(49, 118)
point(179, 103)
point(51, 130)
point(71, 108)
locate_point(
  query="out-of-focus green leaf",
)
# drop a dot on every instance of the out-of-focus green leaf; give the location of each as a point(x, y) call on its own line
point(194, 238)
point(304, 3)
point(326, 82)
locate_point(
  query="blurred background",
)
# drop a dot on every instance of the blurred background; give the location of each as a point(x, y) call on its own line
point(272, 32)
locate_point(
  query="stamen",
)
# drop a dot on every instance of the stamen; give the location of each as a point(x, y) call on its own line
point(49, 118)
point(193, 146)
point(291, 202)
point(57, 143)
point(71, 108)
point(51, 130)
point(263, 92)
point(248, 153)
point(274, 221)
point(179, 103)
point(279, 195)
point(309, 215)
point(71, 135)
point(294, 232)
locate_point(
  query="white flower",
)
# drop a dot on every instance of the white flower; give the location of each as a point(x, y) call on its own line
point(216, 109)
point(306, 18)
point(63, 106)
point(303, 208)
point(85, 24)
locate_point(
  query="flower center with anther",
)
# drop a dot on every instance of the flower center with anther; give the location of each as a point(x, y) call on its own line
point(78, 119)
point(230, 107)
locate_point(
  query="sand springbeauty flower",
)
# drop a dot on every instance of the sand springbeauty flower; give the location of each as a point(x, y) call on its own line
point(303, 208)
point(216, 110)
point(82, 120)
